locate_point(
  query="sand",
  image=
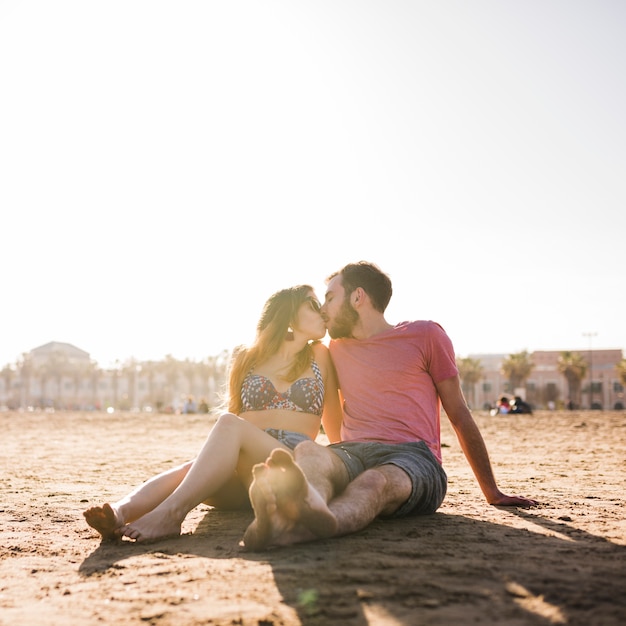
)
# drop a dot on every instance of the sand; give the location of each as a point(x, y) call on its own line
point(561, 563)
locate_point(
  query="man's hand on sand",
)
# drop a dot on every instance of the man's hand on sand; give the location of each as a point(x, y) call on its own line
point(520, 501)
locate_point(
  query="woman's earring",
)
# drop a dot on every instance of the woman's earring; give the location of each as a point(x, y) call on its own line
point(289, 336)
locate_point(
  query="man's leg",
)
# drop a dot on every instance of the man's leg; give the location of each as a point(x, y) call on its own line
point(289, 509)
point(403, 479)
point(323, 469)
point(377, 491)
point(380, 490)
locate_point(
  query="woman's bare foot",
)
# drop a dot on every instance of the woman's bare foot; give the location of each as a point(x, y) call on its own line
point(105, 520)
point(287, 509)
point(152, 527)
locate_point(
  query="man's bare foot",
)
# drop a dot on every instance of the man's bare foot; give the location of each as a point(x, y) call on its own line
point(105, 520)
point(287, 509)
point(152, 527)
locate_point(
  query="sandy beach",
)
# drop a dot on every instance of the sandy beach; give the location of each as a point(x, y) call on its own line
point(561, 563)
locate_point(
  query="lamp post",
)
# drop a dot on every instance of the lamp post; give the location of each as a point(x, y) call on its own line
point(591, 335)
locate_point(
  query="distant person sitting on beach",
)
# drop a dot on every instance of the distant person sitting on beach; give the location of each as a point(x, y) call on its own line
point(190, 406)
point(503, 405)
point(520, 406)
point(280, 389)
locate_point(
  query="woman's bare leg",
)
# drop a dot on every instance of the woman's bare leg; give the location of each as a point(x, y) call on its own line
point(232, 447)
point(109, 519)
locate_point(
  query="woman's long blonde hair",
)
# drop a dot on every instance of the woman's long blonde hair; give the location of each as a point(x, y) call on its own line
point(279, 313)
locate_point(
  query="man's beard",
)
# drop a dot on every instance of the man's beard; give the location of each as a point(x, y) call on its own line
point(344, 323)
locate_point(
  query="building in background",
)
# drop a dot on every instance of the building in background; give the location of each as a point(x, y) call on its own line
point(61, 376)
point(546, 386)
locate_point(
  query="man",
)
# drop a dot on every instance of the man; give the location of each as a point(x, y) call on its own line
point(393, 380)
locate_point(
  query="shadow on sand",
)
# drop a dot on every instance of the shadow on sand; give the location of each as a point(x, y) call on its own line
point(428, 570)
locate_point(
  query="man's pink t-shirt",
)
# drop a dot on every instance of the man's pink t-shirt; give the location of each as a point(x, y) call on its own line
point(388, 383)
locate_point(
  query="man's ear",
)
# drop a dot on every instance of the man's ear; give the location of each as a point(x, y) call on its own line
point(358, 295)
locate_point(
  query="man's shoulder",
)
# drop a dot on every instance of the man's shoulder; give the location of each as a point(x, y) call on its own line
point(419, 326)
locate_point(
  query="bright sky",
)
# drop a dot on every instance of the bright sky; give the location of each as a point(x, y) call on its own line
point(166, 166)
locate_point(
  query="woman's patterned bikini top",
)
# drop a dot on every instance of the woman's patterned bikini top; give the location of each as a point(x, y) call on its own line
point(306, 395)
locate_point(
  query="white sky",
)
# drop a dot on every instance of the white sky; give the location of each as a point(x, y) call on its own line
point(166, 166)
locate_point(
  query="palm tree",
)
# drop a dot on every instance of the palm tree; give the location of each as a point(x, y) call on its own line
point(94, 373)
point(149, 370)
point(517, 368)
point(115, 374)
point(621, 371)
point(470, 372)
point(26, 370)
point(171, 369)
point(189, 369)
point(78, 371)
point(206, 370)
point(220, 373)
point(131, 369)
point(574, 367)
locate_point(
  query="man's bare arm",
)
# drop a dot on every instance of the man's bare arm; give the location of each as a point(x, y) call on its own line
point(473, 444)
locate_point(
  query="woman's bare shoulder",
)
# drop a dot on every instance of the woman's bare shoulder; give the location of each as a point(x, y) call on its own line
point(320, 349)
point(322, 357)
point(321, 354)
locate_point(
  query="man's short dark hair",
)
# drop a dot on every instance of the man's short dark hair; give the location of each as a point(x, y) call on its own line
point(368, 276)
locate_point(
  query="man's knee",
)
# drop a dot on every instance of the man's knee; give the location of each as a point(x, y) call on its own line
point(309, 451)
point(307, 448)
point(391, 484)
point(374, 481)
point(320, 463)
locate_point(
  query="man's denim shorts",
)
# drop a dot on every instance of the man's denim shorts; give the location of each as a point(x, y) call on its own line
point(428, 479)
point(288, 438)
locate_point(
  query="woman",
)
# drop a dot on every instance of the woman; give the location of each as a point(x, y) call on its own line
point(280, 389)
